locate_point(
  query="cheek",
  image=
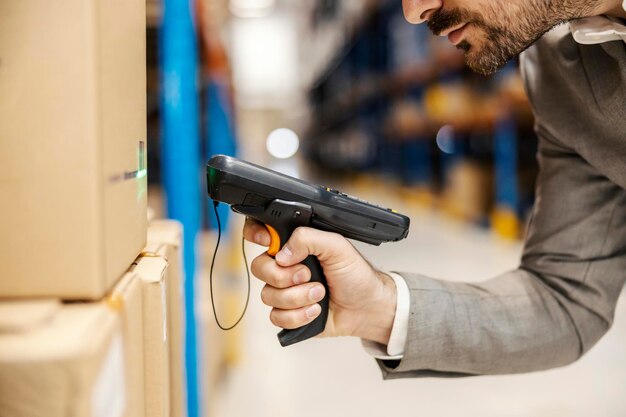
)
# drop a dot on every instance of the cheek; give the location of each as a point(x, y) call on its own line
point(504, 14)
point(476, 7)
point(478, 39)
point(475, 35)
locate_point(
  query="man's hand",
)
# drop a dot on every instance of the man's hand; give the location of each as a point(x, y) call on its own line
point(362, 300)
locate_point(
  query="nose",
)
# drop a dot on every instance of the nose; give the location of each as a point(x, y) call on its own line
point(418, 11)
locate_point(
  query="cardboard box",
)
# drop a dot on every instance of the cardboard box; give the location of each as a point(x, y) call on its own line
point(165, 239)
point(61, 360)
point(151, 269)
point(72, 145)
point(468, 192)
point(127, 300)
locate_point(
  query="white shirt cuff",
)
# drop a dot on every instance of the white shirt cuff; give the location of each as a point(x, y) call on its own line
point(397, 339)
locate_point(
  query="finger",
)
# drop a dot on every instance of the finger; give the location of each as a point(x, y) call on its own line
point(306, 241)
point(292, 319)
point(265, 268)
point(293, 297)
point(256, 232)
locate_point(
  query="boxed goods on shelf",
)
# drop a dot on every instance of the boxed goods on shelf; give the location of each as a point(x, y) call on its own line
point(58, 360)
point(72, 145)
point(165, 239)
point(468, 193)
point(151, 270)
point(126, 299)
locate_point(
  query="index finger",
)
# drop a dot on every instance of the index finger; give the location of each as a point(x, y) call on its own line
point(256, 232)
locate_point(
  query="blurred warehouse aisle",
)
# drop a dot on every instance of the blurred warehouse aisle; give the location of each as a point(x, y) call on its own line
point(110, 111)
point(366, 96)
point(335, 377)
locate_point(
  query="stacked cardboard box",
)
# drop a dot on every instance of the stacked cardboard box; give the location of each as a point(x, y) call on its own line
point(103, 358)
point(72, 145)
point(59, 360)
point(126, 299)
point(151, 271)
point(90, 318)
point(165, 240)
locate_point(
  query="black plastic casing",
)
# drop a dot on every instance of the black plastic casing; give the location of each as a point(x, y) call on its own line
point(241, 183)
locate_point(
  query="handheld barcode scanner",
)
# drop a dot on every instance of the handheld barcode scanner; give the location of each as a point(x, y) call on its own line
point(284, 203)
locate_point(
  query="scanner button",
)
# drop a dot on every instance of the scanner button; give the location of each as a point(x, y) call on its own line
point(275, 241)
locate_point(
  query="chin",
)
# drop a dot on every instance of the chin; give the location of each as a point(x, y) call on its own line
point(481, 60)
point(483, 69)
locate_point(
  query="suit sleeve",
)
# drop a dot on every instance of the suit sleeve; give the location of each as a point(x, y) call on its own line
point(549, 311)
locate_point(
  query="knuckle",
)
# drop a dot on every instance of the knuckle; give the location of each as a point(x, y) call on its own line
point(267, 271)
point(280, 299)
point(292, 298)
point(292, 320)
point(275, 281)
point(273, 319)
point(281, 278)
point(300, 234)
point(287, 278)
point(287, 319)
point(303, 315)
point(265, 297)
point(255, 266)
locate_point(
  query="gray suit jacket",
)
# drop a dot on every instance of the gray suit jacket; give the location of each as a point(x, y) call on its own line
point(562, 298)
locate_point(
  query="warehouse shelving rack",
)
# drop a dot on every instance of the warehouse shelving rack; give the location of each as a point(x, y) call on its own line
point(380, 104)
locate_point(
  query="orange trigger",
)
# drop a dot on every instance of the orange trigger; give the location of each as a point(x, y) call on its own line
point(275, 241)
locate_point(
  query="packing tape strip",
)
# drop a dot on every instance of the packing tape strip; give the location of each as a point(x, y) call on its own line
point(148, 254)
point(155, 254)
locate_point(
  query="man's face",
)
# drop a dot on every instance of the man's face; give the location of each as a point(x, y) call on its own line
point(491, 32)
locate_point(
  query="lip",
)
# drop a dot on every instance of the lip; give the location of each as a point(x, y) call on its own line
point(451, 29)
point(456, 35)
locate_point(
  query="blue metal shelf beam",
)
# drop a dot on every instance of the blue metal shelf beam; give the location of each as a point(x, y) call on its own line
point(181, 159)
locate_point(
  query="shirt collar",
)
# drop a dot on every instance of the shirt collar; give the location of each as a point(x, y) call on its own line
point(598, 29)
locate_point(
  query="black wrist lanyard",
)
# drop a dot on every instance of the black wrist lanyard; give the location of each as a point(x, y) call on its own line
point(217, 245)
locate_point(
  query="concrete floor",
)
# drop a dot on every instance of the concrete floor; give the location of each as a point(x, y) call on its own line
point(335, 377)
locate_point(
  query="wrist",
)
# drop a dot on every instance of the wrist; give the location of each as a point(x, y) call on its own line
point(380, 312)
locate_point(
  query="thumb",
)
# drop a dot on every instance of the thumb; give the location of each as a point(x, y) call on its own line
point(305, 241)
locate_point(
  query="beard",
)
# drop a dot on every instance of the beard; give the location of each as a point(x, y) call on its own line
point(507, 30)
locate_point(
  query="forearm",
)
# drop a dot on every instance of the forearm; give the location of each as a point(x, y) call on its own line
point(513, 323)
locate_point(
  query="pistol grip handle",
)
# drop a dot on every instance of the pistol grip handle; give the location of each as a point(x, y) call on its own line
point(289, 337)
point(282, 218)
